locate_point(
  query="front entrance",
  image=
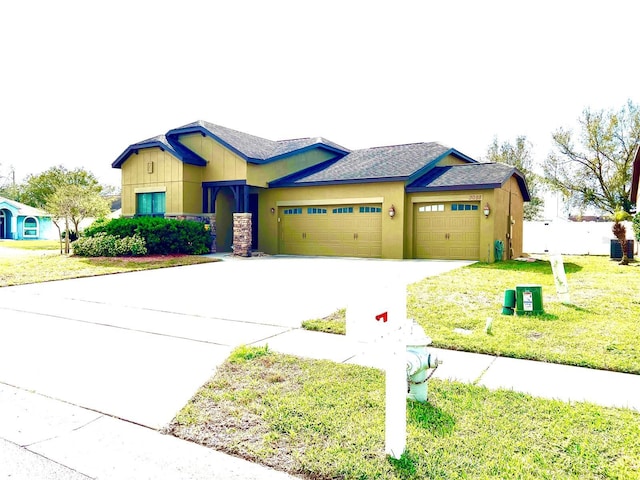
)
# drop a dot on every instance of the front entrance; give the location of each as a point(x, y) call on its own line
point(5, 223)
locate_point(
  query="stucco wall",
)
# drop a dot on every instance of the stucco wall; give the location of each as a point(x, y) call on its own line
point(391, 193)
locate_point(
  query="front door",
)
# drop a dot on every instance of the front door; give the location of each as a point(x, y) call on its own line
point(2, 224)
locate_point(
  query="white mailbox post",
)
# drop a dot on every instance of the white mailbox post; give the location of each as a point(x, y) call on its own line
point(378, 317)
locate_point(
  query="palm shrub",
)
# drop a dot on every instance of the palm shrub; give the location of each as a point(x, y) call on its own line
point(620, 232)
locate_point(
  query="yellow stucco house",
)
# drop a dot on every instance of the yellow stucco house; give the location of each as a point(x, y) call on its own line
point(311, 196)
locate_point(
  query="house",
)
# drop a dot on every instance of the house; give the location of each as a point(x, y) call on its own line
point(311, 196)
point(22, 222)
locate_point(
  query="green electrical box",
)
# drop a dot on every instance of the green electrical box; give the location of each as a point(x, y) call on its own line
point(529, 300)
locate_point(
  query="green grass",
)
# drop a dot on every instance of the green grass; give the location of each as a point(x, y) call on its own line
point(31, 244)
point(323, 420)
point(41, 268)
point(599, 329)
point(334, 323)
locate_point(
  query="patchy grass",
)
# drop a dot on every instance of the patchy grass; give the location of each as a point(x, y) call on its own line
point(334, 323)
point(31, 244)
point(322, 420)
point(45, 267)
point(599, 329)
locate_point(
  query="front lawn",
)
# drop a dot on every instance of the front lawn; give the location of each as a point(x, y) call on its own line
point(45, 267)
point(322, 420)
point(598, 329)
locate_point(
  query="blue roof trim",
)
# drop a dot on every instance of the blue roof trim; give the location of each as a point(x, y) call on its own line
point(173, 138)
point(433, 163)
point(288, 180)
point(479, 186)
point(224, 183)
point(181, 153)
point(339, 182)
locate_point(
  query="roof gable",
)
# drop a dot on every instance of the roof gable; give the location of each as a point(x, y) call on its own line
point(390, 163)
point(469, 176)
point(252, 148)
point(177, 150)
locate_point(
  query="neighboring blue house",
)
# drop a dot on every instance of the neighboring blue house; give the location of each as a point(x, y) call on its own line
point(22, 222)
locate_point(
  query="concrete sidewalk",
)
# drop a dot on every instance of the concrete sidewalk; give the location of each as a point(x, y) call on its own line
point(92, 369)
point(46, 438)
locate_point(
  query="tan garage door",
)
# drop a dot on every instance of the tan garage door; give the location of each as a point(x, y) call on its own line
point(447, 230)
point(331, 230)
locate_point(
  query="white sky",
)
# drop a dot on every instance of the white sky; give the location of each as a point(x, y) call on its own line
point(81, 80)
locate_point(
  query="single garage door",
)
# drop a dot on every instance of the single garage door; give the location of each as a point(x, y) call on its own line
point(447, 230)
point(331, 230)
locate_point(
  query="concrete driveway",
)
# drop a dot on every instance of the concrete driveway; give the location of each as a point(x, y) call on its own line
point(138, 345)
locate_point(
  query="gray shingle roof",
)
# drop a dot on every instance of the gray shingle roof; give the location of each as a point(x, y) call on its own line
point(468, 176)
point(258, 148)
point(391, 162)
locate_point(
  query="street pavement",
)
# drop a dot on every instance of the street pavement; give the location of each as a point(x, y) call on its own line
point(92, 369)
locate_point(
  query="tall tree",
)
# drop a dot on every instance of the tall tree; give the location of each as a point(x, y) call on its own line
point(8, 187)
point(519, 155)
point(597, 173)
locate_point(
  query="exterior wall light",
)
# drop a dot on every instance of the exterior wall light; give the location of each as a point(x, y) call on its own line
point(273, 210)
point(392, 211)
point(486, 210)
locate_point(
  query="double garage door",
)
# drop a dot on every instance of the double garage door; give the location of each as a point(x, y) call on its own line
point(332, 230)
point(447, 230)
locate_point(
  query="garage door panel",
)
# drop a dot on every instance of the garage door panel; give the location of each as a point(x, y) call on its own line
point(354, 230)
point(447, 230)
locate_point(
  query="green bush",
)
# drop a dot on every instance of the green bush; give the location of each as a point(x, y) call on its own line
point(636, 225)
point(162, 235)
point(104, 245)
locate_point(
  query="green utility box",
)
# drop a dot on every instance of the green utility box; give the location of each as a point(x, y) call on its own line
point(509, 302)
point(529, 300)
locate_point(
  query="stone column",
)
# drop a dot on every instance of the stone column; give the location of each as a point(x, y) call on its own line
point(242, 234)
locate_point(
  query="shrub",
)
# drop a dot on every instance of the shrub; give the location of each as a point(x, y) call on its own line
point(104, 245)
point(162, 235)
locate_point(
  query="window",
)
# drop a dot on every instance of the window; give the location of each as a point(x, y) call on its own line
point(432, 208)
point(343, 210)
point(370, 209)
point(459, 207)
point(292, 211)
point(30, 227)
point(150, 204)
point(316, 211)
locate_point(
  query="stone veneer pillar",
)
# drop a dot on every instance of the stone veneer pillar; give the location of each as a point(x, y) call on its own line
point(242, 234)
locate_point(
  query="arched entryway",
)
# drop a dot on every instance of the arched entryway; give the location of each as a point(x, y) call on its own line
point(225, 198)
point(5, 224)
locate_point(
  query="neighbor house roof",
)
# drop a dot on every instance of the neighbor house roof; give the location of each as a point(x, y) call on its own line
point(20, 209)
point(468, 177)
point(391, 163)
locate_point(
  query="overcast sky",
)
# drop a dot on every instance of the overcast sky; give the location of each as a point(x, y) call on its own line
point(82, 80)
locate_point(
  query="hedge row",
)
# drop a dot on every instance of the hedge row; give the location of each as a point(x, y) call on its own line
point(103, 245)
point(162, 235)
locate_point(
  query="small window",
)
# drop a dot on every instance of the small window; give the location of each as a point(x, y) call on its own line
point(370, 209)
point(316, 211)
point(30, 227)
point(461, 207)
point(150, 204)
point(342, 210)
point(436, 207)
point(293, 211)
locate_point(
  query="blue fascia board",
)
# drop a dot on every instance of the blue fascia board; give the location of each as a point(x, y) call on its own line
point(185, 156)
point(433, 163)
point(479, 186)
point(321, 146)
point(339, 182)
point(172, 137)
point(224, 183)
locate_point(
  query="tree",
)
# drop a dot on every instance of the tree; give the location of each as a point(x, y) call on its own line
point(519, 155)
point(8, 187)
point(598, 172)
point(46, 189)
